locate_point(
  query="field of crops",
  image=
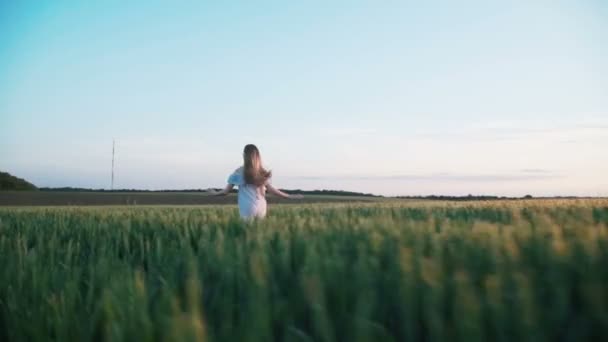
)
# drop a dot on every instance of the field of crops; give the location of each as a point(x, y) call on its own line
point(428, 271)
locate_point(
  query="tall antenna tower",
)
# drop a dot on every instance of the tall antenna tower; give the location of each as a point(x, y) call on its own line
point(113, 143)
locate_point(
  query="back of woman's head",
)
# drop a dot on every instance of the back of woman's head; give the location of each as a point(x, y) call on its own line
point(254, 172)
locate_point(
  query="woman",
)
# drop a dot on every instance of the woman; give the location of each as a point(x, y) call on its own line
point(253, 181)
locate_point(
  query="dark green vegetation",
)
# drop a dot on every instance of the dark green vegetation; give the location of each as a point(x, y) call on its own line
point(497, 271)
point(10, 182)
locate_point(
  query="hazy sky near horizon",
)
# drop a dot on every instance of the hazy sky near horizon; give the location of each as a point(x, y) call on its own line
point(408, 97)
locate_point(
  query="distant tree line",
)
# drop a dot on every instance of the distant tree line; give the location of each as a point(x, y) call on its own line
point(10, 182)
point(317, 192)
point(477, 197)
point(74, 189)
point(330, 192)
point(296, 191)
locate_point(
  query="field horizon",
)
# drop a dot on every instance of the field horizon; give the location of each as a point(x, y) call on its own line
point(129, 198)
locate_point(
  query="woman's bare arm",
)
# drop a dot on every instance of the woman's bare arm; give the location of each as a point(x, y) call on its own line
point(280, 193)
point(223, 192)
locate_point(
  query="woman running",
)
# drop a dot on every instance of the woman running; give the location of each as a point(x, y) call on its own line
point(252, 180)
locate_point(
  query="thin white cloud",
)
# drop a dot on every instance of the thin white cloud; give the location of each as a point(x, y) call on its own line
point(504, 131)
point(342, 132)
point(524, 175)
point(536, 171)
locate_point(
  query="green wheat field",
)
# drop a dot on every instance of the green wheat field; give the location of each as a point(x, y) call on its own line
point(532, 270)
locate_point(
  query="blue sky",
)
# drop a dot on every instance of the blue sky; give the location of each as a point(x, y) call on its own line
point(439, 97)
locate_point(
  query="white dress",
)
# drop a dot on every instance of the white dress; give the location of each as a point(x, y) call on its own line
point(251, 198)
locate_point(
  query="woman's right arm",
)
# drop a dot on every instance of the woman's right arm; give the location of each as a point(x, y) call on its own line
point(223, 192)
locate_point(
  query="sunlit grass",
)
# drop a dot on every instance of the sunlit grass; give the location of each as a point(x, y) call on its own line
point(396, 270)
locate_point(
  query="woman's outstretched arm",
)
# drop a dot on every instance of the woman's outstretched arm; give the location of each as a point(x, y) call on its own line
point(280, 193)
point(223, 192)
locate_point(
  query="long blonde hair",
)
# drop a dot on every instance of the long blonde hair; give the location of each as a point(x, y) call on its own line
point(253, 170)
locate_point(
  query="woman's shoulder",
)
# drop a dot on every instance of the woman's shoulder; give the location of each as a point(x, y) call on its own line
point(236, 178)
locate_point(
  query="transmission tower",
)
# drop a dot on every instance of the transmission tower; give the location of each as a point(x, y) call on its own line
point(113, 144)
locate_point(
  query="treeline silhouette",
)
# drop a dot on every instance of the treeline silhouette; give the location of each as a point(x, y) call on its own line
point(10, 182)
point(296, 191)
point(319, 192)
point(487, 197)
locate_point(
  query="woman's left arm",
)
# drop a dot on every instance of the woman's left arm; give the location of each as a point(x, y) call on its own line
point(280, 193)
